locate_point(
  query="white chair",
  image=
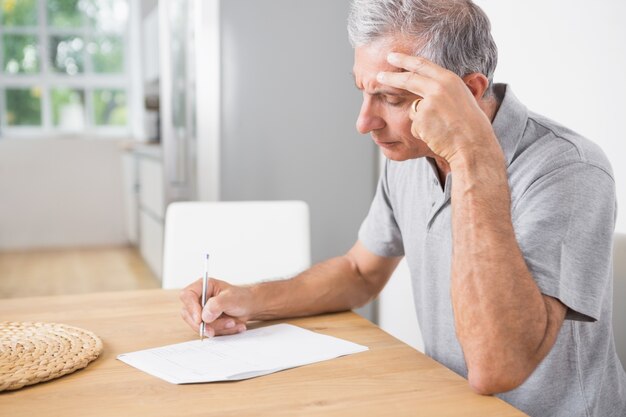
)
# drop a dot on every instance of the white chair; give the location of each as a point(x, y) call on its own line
point(619, 295)
point(247, 241)
point(396, 308)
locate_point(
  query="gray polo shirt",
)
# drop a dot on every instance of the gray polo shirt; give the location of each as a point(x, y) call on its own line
point(563, 211)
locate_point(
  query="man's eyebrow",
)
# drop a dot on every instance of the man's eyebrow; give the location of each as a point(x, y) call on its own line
point(399, 93)
point(382, 90)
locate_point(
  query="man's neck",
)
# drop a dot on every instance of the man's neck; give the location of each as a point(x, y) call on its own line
point(491, 103)
point(490, 106)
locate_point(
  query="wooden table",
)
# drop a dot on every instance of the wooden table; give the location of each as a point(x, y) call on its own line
point(391, 379)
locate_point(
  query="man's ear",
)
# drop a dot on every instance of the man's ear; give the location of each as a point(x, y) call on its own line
point(477, 84)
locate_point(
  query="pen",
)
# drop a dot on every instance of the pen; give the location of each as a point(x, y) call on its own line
point(204, 284)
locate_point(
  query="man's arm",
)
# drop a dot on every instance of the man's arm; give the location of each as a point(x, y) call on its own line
point(338, 284)
point(503, 322)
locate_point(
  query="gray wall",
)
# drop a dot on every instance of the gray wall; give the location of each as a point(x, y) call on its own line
point(147, 6)
point(289, 108)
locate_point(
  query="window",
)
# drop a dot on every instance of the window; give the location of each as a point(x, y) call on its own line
point(64, 66)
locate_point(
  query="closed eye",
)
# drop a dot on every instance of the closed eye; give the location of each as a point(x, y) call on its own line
point(394, 101)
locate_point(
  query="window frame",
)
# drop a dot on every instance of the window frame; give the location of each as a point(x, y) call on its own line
point(47, 79)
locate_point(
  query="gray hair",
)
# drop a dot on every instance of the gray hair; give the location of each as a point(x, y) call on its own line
point(455, 34)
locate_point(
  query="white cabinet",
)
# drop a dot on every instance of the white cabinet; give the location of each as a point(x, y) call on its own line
point(151, 242)
point(131, 209)
point(145, 203)
point(151, 197)
point(151, 211)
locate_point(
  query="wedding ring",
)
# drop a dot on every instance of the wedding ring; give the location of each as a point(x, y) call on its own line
point(415, 103)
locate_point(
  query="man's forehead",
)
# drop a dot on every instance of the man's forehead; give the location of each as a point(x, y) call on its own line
point(373, 56)
point(371, 59)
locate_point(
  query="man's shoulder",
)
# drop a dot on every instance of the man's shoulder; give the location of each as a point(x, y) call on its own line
point(548, 145)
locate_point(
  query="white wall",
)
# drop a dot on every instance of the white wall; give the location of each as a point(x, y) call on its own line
point(60, 193)
point(566, 60)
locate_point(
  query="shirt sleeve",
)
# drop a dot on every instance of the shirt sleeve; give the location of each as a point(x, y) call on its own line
point(564, 225)
point(379, 232)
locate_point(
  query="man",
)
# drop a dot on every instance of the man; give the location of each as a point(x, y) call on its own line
point(505, 218)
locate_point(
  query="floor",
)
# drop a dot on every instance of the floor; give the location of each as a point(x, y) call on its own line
point(73, 271)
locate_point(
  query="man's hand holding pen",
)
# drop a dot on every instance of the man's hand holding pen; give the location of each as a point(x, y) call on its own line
point(227, 308)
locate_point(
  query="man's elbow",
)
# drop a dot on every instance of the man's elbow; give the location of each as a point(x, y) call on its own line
point(494, 381)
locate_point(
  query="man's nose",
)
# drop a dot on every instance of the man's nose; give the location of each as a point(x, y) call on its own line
point(368, 119)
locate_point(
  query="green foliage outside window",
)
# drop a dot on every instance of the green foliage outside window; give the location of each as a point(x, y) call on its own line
point(23, 106)
point(21, 54)
point(110, 107)
point(67, 54)
point(107, 54)
point(67, 102)
point(18, 12)
point(65, 13)
point(84, 40)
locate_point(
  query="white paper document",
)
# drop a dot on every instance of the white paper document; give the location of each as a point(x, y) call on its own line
point(245, 355)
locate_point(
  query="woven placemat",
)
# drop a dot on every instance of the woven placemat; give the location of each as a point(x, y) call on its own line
point(37, 352)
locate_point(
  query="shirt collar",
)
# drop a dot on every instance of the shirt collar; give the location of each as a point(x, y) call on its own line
point(510, 121)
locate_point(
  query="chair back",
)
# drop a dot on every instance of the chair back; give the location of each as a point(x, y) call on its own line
point(619, 295)
point(248, 241)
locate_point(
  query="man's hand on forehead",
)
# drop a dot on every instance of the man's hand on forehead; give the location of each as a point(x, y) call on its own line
point(415, 73)
point(447, 116)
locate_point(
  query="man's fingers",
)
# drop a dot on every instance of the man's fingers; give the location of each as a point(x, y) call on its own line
point(213, 309)
point(416, 64)
point(226, 325)
point(237, 329)
point(187, 317)
point(421, 76)
point(225, 311)
point(409, 81)
point(221, 326)
point(229, 301)
point(191, 297)
point(191, 302)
